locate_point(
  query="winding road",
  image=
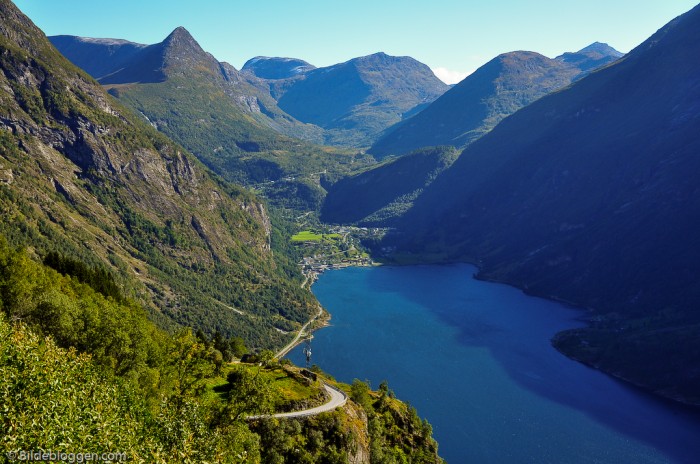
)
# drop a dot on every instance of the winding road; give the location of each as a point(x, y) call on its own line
point(298, 336)
point(338, 399)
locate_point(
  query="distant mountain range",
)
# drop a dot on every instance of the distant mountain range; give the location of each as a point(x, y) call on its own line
point(123, 63)
point(348, 104)
point(84, 177)
point(479, 102)
point(353, 101)
point(225, 117)
point(589, 195)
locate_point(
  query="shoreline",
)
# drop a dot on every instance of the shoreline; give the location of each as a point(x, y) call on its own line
point(588, 315)
point(306, 332)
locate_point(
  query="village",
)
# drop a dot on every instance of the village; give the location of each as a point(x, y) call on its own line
point(333, 247)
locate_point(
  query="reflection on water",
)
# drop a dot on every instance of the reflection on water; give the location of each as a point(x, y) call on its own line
point(475, 359)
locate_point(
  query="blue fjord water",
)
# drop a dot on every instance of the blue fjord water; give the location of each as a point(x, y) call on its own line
point(475, 359)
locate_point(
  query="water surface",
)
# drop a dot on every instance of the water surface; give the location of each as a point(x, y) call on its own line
point(475, 359)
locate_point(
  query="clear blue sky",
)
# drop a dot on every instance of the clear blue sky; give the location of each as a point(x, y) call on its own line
point(455, 35)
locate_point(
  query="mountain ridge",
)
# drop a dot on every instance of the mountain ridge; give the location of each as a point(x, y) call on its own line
point(225, 117)
point(581, 196)
point(357, 99)
point(274, 68)
point(84, 177)
point(498, 88)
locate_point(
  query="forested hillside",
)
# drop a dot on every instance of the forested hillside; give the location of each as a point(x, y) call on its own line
point(589, 196)
point(226, 118)
point(83, 177)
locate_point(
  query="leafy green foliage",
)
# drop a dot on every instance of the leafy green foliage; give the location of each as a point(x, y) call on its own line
point(99, 185)
point(99, 279)
point(57, 399)
point(396, 432)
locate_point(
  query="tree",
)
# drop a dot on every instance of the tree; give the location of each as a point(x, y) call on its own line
point(249, 394)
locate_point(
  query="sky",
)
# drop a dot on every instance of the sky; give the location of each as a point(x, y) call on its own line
point(453, 37)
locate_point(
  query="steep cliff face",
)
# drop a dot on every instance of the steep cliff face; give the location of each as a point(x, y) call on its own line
point(81, 175)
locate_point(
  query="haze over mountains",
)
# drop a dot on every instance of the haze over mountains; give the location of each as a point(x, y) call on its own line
point(589, 195)
point(479, 102)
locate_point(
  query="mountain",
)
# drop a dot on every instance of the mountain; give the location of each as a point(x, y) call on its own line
point(380, 195)
point(84, 179)
point(276, 68)
point(356, 100)
point(499, 88)
point(224, 117)
point(98, 57)
point(589, 196)
point(592, 57)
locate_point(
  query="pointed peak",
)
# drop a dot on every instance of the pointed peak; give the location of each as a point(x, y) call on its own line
point(180, 34)
point(181, 44)
point(180, 31)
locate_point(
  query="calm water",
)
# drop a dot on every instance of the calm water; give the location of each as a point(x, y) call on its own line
point(475, 359)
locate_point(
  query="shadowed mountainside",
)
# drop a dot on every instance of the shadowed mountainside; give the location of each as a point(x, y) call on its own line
point(479, 102)
point(589, 196)
point(379, 196)
point(356, 100)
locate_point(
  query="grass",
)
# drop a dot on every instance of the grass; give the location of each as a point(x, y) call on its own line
point(290, 390)
point(289, 387)
point(310, 236)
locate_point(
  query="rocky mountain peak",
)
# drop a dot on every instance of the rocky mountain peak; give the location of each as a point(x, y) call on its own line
point(181, 38)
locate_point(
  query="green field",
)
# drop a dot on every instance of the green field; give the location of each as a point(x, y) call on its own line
point(310, 236)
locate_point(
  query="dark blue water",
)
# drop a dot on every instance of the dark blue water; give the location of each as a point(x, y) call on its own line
point(475, 359)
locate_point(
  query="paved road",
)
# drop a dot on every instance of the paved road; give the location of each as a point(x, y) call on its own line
point(338, 398)
point(298, 336)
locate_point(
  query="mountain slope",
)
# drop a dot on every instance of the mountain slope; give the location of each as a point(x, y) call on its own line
point(98, 57)
point(356, 100)
point(590, 58)
point(499, 88)
point(377, 197)
point(226, 118)
point(589, 195)
point(276, 68)
point(82, 176)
